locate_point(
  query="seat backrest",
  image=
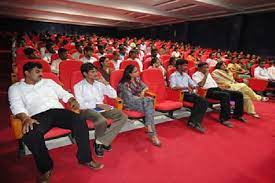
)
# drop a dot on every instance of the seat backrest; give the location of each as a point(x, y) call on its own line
point(146, 64)
point(75, 78)
point(192, 70)
point(153, 78)
point(165, 57)
point(115, 78)
point(96, 64)
point(54, 57)
point(109, 56)
point(125, 63)
point(45, 65)
point(52, 76)
point(65, 71)
point(258, 85)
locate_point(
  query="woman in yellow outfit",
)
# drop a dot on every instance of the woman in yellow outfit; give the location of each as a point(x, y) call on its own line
point(225, 79)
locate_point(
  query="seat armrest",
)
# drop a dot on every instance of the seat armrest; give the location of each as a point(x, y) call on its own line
point(176, 95)
point(115, 102)
point(202, 92)
point(153, 95)
point(17, 127)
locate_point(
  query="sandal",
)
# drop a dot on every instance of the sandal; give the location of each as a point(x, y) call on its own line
point(255, 115)
point(264, 99)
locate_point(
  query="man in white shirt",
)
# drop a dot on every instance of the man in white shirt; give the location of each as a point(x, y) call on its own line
point(204, 79)
point(180, 80)
point(88, 52)
point(63, 56)
point(262, 73)
point(79, 51)
point(116, 60)
point(271, 70)
point(133, 57)
point(211, 61)
point(35, 101)
point(90, 94)
point(50, 52)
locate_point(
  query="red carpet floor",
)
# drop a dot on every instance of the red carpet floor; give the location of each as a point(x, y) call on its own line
point(244, 154)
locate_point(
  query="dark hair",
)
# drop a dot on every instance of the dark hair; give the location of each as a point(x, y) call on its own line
point(29, 66)
point(86, 68)
point(219, 65)
point(88, 48)
point(181, 62)
point(261, 61)
point(126, 74)
point(101, 61)
point(61, 50)
point(202, 64)
point(171, 60)
point(29, 51)
point(115, 53)
point(154, 60)
point(132, 51)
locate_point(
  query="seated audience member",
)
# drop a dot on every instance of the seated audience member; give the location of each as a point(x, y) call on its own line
point(101, 51)
point(235, 68)
point(35, 101)
point(116, 60)
point(122, 52)
point(105, 68)
point(271, 70)
point(132, 90)
point(225, 79)
point(176, 53)
point(63, 56)
point(155, 63)
point(49, 52)
point(90, 94)
point(262, 73)
point(172, 63)
point(211, 61)
point(79, 51)
point(88, 55)
point(180, 80)
point(207, 82)
point(133, 57)
point(30, 53)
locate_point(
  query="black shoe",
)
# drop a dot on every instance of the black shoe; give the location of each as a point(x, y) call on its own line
point(196, 126)
point(99, 149)
point(227, 123)
point(242, 119)
point(107, 148)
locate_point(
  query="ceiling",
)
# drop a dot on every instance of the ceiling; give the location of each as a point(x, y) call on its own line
point(128, 14)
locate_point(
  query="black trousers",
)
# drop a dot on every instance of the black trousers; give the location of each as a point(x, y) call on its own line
point(61, 118)
point(271, 84)
point(199, 108)
point(225, 96)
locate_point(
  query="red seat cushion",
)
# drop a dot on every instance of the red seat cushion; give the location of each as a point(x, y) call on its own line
point(213, 101)
point(56, 132)
point(91, 125)
point(133, 114)
point(187, 104)
point(168, 105)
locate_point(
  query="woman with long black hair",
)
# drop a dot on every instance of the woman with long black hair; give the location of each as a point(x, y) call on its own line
point(132, 90)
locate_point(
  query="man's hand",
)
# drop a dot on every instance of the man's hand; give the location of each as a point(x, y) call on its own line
point(73, 104)
point(104, 107)
point(28, 124)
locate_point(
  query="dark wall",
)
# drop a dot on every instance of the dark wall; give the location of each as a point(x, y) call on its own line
point(252, 33)
point(18, 25)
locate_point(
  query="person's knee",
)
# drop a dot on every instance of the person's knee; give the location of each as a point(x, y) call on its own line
point(35, 133)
